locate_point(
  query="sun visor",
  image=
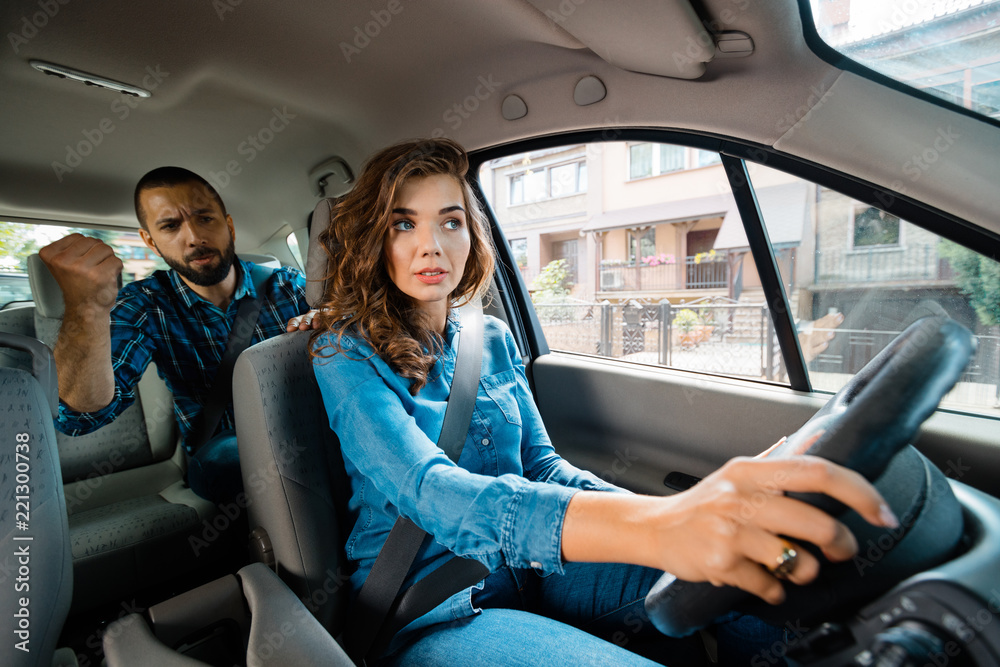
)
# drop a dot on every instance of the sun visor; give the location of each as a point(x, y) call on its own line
point(646, 36)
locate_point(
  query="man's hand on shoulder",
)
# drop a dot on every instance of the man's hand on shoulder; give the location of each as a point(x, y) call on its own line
point(86, 269)
point(303, 322)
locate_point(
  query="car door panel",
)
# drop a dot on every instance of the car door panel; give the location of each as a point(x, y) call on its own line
point(632, 425)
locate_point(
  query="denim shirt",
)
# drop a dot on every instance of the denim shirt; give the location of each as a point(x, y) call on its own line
point(505, 501)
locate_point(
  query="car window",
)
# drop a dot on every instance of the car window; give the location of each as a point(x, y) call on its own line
point(293, 247)
point(948, 49)
point(856, 276)
point(628, 251)
point(19, 240)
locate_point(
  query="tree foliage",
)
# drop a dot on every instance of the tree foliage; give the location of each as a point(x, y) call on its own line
point(16, 243)
point(978, 277)
point(552, 284)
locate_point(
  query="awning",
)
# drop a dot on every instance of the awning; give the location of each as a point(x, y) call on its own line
point(784, 209)
point(664, 212)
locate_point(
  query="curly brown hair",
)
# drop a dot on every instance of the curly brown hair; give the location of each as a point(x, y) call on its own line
point(359, 296)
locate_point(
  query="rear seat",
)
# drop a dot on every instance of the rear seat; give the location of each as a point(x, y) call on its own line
point(132, 520)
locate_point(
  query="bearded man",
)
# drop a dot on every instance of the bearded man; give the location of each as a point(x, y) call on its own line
point(180, 319)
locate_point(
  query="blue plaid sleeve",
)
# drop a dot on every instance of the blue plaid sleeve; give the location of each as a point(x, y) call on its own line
point(130, 354)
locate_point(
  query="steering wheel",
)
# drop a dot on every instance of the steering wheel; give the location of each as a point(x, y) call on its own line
point(866, 426)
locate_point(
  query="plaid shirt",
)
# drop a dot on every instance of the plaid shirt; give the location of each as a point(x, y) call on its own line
point(161, 319)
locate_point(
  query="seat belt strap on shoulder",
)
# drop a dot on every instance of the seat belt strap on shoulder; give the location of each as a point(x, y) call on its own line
point(378, 593)
point(221, 393)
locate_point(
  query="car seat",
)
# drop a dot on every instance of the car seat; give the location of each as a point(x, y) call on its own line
point(35, 561)
point(293, 472)
point(132, 520)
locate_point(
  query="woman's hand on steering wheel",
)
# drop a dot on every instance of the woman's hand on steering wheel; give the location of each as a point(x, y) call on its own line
point(728, 529)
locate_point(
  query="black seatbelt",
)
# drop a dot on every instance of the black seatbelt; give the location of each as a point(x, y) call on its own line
point(221, 393)
point(370, 617)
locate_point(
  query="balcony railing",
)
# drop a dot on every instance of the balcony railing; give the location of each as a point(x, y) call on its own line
point(695, 274)
point(881, 264)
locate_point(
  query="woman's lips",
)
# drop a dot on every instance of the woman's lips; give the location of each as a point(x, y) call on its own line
point(431, 277)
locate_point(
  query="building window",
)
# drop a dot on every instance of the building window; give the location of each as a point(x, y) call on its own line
point(874, 227)
point(560, 180)
point(706, 158)
point(519, 248)
point(641, 243)
point(654, 159)
point(567, 250)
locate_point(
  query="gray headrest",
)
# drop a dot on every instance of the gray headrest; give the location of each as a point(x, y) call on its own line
point(317, 261)
point(45, 290)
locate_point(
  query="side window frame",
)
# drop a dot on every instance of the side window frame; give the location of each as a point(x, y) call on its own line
point(734, 156)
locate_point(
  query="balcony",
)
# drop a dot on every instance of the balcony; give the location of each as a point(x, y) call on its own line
point(698, 272)
point(882, 264)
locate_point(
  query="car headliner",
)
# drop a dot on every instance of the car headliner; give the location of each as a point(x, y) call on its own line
point(224, 70)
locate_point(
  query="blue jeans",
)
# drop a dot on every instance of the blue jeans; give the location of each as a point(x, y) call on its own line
point(214, 470)
point(591, 615)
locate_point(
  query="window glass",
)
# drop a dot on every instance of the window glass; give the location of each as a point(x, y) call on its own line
point(641, 246)
point(519, 248)
point(852, 291)
point(874, 227)
point(293, 247)
point(535, 185)
point(949, 49)
point(19, 240)
point(564, 180)
point(641, 160)
point(671, 158)
point(706, 158)
point(517, 189)
point(547, 181)
point(652, 271)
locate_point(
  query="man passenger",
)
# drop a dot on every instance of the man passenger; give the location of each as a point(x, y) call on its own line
point(180, 319)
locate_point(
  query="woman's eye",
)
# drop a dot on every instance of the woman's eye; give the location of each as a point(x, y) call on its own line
point(453, 224)
point(402, 225)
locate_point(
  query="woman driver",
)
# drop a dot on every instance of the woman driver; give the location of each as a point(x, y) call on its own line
point(571, 559)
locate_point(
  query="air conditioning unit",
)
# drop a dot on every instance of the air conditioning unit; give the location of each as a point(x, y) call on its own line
point(611, 280)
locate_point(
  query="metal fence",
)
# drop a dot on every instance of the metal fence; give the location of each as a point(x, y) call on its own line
point(717, 335)
point(695, 273)
point(730, 338)
point(916, 262)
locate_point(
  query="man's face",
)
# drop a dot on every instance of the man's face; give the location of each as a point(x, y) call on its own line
point(186, 227)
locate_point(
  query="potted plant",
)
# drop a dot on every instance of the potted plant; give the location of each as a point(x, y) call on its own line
point(686, 328)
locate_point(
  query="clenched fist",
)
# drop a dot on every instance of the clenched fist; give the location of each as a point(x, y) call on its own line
point(86, 269)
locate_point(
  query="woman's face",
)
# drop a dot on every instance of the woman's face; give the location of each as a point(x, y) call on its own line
point(428, 243)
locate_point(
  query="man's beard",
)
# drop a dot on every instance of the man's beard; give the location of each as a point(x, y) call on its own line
point(208, 275)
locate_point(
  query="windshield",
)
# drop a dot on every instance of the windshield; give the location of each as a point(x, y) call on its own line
point(948, 48)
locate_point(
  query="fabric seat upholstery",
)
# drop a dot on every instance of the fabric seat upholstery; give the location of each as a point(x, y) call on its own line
point(29, 407)
point(292, 468)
